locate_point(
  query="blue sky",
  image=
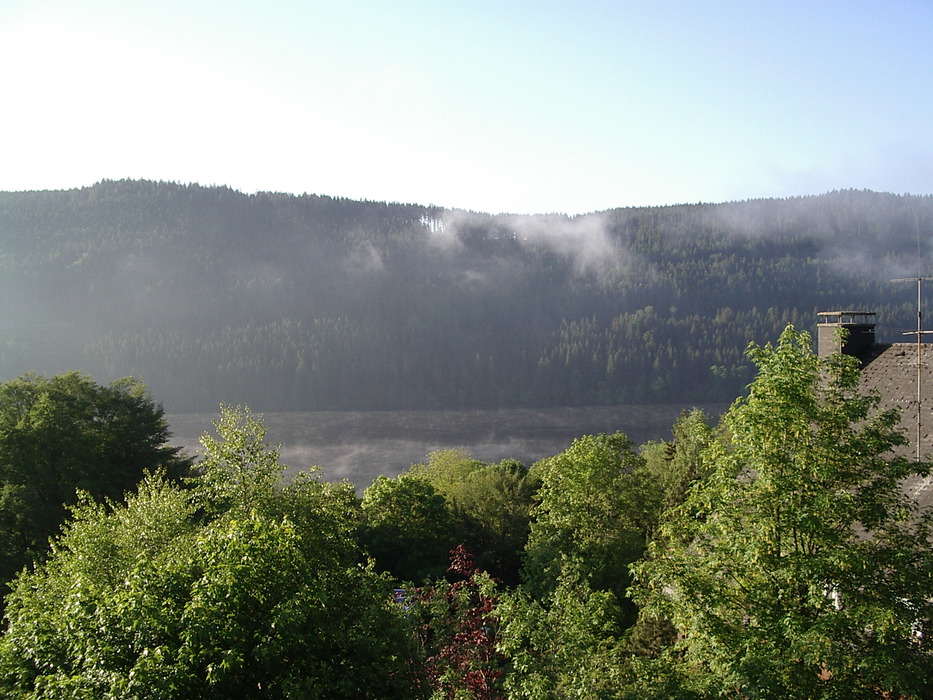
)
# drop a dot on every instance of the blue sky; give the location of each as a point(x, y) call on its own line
point(508, 106)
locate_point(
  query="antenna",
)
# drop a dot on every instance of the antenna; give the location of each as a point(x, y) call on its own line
point(919, 333)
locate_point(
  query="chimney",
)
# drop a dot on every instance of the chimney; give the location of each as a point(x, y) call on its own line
point(861, 333)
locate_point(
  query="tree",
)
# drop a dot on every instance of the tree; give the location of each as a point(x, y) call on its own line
point(65, 433)
point(492, 509)
point(592, 509)
point(564, 628)
point(407, 528)
point(798, 568)
point(239, 469)
point(458, 632)
point(446, 470)
point(566, 645)
point(489, 505)
point(677, 465)
point(228, 588)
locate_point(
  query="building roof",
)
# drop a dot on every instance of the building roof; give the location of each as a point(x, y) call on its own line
point(892, 371)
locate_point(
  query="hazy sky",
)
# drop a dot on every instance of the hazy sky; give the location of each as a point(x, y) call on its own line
point(500, 106)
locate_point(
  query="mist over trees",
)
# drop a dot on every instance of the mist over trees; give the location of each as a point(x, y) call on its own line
point(307, 302)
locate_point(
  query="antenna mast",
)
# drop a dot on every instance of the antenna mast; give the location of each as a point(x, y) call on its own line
point(919, 333)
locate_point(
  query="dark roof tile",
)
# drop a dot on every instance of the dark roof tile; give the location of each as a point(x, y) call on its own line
point(892, 371)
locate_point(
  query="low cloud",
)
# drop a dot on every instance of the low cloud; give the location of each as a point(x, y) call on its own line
point(585, 240)
point(365, 258)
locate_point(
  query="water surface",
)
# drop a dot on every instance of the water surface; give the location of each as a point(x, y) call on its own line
point(359, 445)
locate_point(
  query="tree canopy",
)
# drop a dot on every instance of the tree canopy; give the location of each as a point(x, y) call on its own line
point(799, 567)
point(777, 555)
point(232, 588)
point(591, 509)
point(65, 433)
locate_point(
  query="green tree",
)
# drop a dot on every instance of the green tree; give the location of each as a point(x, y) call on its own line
point(677, 465)
point(250, 598)
point(798, 568)
point(492, 511)
point(564, 629)
point(566, 645)
point(490, 505)
point(446, 470)
point(65, 433)
point(591, 508)
point(239, 469)
point(407, 528)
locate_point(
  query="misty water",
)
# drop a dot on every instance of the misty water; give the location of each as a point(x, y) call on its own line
point(360, 445)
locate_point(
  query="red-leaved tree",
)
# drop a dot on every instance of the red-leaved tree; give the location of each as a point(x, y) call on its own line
point(457, 631)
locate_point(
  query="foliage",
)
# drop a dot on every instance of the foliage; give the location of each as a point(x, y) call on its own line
point(446, 470)
point(411, 523)
point(677, 465)
point(798, 568)
point(238, 470)
point(458, 632)
point(565, 646)
point(593, 507)
point(164, 598)
point(66, 433)
point(490, 505)
point(406, 527)
point(492, 509)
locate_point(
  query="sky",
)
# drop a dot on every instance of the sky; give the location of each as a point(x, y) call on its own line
point(506, 106)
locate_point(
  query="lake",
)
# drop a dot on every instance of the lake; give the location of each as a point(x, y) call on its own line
point(360, 445)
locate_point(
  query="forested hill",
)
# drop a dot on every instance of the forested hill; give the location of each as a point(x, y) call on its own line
point(296, 303)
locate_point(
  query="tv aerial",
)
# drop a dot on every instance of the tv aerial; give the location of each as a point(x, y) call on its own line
point(919, 333)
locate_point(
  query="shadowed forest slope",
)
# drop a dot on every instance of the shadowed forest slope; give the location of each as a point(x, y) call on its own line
point(308, 302)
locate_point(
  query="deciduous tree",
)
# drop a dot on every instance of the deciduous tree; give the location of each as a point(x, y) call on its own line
point(799, 568)
point(492, 509)
point(407, 528)
point(592, 508)
point(164, 597)
point(566, 645)
point(66, 433)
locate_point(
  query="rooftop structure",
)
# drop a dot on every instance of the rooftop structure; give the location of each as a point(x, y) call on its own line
point(892, 371)
point(901, 374)
point(860, 336)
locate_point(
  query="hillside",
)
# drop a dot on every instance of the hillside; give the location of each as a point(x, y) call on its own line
point(308, 302)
